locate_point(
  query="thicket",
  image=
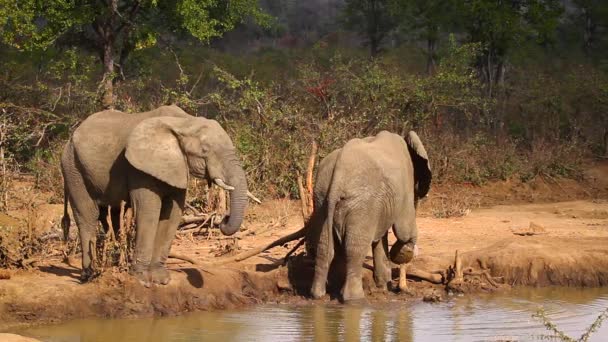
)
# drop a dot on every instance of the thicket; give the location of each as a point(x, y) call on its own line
point(274, 103)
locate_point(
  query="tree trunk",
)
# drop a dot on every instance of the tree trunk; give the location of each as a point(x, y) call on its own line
point(605, 143)
point(431, 62)
point(107, 100)
point(374, 46)
point(589, 32)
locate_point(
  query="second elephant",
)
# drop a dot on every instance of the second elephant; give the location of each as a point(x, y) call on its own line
point(361, 191)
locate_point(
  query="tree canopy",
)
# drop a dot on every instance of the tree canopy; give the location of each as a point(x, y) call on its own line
point(114, 28)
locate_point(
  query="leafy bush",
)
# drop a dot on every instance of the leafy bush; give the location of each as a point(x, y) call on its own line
point(542, 123)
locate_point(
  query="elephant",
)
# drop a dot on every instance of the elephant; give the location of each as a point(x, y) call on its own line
point(146, 159)
point(362, 190)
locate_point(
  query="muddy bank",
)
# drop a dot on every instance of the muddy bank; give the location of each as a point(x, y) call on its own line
point(554, 243)
point(53, 294)
point(538, 245)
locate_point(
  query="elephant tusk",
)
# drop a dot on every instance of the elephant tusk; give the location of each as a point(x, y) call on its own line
point(223, 185)
point(255, 199)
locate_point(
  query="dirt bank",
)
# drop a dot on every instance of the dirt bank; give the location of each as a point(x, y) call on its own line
point(538, 244)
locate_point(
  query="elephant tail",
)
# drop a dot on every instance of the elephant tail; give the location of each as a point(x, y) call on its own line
point(65, 220)
point(328, 225)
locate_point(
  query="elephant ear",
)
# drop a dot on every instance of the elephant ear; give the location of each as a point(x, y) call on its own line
point(154, 148)
point(422, 167)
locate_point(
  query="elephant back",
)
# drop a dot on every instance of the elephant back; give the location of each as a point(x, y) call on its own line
point(100, 140)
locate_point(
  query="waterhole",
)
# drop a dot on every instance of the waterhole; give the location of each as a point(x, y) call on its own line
point(498, 317)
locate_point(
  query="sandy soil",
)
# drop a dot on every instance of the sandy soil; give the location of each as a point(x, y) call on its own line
point(561, 238)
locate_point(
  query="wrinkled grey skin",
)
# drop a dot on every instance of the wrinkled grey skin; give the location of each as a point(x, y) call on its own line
point(362, 190)
point(145, 159)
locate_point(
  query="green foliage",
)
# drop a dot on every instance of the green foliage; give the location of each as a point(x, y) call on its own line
point(498, 25)
point(211, 18)
point(425, 20)
point(592, 17)
point(557, 333)
point(373, 19)
point(274, 112)
point(31, 24)
point(119, 26)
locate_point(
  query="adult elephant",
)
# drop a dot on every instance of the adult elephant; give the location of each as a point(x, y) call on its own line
point(145, 159)
point(361, 191)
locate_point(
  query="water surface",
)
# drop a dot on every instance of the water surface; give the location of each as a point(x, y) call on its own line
point(501, 317)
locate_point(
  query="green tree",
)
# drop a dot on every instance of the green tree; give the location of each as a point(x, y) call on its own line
point(592, 16)
point(501, 25)
point(372, 19)
point(114, 28)
point(426, 19)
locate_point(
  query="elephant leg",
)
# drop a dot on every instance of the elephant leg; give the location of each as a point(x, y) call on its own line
point(86, 220)
point(147, 206)
point(170, 216)
point(382, 271)
point(85, 212)
point(324, 256)
point(356, 247)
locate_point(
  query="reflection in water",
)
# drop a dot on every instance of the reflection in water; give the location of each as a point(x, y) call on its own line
point(477, 318)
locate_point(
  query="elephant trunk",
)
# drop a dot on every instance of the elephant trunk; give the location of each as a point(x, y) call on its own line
point(235, 176)
point(403, 252)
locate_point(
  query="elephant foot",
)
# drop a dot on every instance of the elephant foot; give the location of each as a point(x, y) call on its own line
point(317, 292)
point(142, 275)
point(352, 292)
point(380, 287)
point(382, 281)
point(88, 274)
point(160, 275)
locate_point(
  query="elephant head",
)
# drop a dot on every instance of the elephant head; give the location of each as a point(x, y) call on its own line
point(403, 251)
point(172, 148)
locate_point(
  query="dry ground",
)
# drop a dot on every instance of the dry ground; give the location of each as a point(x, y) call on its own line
point(552, 232)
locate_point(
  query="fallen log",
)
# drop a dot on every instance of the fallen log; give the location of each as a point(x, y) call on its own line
point(434, 278)
point(302, 241)
point(248, 254)
point(199, 265)
point(187, 219)
point(183, 258)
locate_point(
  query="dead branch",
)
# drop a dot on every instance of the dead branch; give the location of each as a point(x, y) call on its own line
point(403, 277)
point(455, 274)
point(434, 278)
point(187, 227)
point(458, 275)
point(300, 243)
point(309, 169)
point(482, 273)
point(25, 263)
point(110, 232)
point(183, 258)
point(303, 198)
point(248, 254)
point(306, 194)
point(122, 235)
point(187, 219)
point(190, 260)
point(194, 210)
